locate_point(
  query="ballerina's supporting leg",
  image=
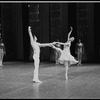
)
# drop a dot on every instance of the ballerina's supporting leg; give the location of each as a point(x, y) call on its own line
point(66, 69)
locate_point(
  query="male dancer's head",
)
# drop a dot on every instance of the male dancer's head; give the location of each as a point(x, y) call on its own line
point(35, 38)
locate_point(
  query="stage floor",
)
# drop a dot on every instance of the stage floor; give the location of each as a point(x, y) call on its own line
point(16, 81)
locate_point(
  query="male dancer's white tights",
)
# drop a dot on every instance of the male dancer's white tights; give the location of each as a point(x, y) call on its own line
point(36, 70)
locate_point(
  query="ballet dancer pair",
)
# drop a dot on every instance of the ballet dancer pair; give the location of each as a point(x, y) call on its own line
point(65, 58)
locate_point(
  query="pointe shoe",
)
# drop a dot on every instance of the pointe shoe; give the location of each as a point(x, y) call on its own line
point(79, 64)
point(37, 81)
point(66, 78)
point(57, 63)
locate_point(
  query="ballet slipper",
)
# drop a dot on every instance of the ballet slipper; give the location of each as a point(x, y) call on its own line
point(1, 65)
point(57, 63)
point(37, 81)
point(79, 64)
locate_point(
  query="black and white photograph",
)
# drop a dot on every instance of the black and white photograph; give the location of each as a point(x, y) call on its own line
point(49, 50)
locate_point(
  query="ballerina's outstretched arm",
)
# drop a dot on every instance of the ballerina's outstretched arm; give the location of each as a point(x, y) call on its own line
point(61, 43)
point(70, 33)
point(56, 48)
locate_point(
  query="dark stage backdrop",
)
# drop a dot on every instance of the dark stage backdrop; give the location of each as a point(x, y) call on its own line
point(96, 32)
point(12, 32)
point(72, 21)
point(55, 20)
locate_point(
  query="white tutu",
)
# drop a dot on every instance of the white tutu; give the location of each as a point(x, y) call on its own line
point(66, 56)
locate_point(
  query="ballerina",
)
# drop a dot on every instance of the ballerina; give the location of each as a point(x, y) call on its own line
point(66, 58)
point(36, 56)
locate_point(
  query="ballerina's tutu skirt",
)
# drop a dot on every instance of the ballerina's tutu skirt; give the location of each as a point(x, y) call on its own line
point(67, 57)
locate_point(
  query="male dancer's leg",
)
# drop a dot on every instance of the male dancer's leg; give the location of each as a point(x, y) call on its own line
point(36, 70)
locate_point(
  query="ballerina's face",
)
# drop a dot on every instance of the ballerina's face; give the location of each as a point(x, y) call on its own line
point(71, 39)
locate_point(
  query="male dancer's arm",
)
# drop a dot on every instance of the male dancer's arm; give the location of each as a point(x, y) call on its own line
point(46, 44)
point(30, 34)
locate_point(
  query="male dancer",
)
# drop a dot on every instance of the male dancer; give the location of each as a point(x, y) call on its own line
point(36, 55)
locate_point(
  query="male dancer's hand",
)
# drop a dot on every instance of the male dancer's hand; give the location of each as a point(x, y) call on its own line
point(54, 43)
point(71, 28)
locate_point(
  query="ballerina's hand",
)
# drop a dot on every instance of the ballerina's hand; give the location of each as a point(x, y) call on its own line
point(54, 43)
point(29, 27)
point(52, 46)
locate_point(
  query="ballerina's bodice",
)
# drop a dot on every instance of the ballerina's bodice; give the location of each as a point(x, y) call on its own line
point(67, 48)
